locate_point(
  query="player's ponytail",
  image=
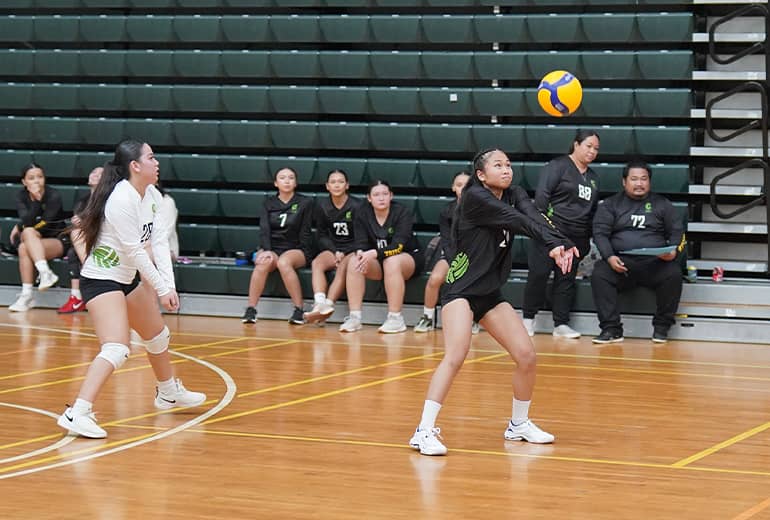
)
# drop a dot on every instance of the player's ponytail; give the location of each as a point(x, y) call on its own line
point(114, 171)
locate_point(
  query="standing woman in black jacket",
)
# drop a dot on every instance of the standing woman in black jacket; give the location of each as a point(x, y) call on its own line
point(386, 249)
point(568, 193)
point(284, 225)
point(38, 235)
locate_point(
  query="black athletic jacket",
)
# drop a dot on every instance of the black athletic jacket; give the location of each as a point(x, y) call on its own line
point(287, 226)
point(568, 197)
point(335, 226)
point(390, 239)
point(45, 215)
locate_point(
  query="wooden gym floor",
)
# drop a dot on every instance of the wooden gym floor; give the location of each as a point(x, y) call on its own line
point(304, 422)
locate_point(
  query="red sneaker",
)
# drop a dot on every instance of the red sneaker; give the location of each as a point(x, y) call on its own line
point(74, 304)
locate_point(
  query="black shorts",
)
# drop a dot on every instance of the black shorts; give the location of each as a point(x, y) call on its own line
point(480, 305)
point(64, 238)
point(91, 288)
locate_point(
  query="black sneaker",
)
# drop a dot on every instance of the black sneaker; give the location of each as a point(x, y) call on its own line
point(660, 336)
point(608, 336)
point(297, 317)
point(250, 315)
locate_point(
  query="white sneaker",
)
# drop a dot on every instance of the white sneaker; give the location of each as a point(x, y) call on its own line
point(47, 279)
point(529, 324)
point(527, 431)
point(475, 328)
point(565, 331)
point(393, 325)
point(180, 398)
point(351, 324)
point(23, 303)
point(427, 442)
point(83, 425)
point(320, 312)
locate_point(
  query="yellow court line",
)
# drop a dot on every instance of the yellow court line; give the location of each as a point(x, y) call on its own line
point(758, 508)
point(30, 441)
point(339, 391)
point(729, 442)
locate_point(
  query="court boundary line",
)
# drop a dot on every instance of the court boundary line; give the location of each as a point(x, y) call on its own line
point(55, 446)
point(756, 508)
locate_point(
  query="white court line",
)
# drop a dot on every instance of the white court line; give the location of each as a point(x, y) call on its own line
point(55, 446)
point(226, 399)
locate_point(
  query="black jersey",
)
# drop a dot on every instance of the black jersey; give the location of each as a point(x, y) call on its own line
point(286, 226)
point(568, 197)
point(445, 227)
point(393, 237)
point(483, 235)
point(335, 225)
point(622, 223)
point(45, 215)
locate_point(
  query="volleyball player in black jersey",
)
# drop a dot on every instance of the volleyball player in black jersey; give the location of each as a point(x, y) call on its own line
point(334, 224)
point(488, 214)
point(284, 225)
point(387, 250)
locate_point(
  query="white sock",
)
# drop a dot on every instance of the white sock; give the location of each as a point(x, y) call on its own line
point(519, 411)
point(26, 289)
point(430, 312)
point(429, 413)
point(167, 387)
point(319, 297)
point(42, 266)
point(394, 315)
point(355, 314)
point(82, 407)
point(76, 293)
point(329, 302)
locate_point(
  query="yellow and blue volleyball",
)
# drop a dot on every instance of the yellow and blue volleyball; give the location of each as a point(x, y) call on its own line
point(559, 93)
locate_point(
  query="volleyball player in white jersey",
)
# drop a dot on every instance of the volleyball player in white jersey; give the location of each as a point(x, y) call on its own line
point(124, 238)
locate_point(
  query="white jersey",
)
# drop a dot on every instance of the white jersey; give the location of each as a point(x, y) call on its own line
point(130, 225)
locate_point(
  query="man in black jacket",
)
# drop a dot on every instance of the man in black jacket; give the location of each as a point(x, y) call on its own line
point(639, 235)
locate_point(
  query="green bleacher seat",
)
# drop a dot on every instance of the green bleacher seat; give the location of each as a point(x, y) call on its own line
point(615, 102)
point(304, 166)
point(540, 63)
point(665, 27)
point(195, 202)
point(196, 132)
point(610, 65)
point(196, 28)
point(153, 4)
point(149, 98)
point(56, 62)
point(16, 28)
point(16, 62)
point(520, 247)
point(245, 134)
point(395, 28)
point(102, 131)
point(102, 28)
point(354, 168)
point(439, 174)
point(552, 139)
point(502, 101)
point(548, 28)
point(57, 130)
point(295, 64)
point(501, 65)
point(246, 64)
point(87, 161)
point(156, 132)
point(503, 28)
point(150, 28)
point(102, 97)
point(245, 28)
point(244, 98)
point(58, 164)
point(430, 208)
point(447, 101)
point(345, 28)
point(102, 62)
point(608, 27)
point(198, 238)
point(616, 140)
point(242, 203)
point(294, 134)
point(244, 169)
point(8, 191)
point(665, 64)
point(191, 168)
point(14, 160)
point(400, 173)
point(396, 64)
point(53, 96)
point(344, 100)
point(195, 98)
point(342, 135)
point(15, 96)
point(234, 239)
point(448, 65)
point(508, 137)
point(69, 195)
point(663, 140)
point(447, 138)
point(238, 280)
point(295, 28)
point(197, 64)
point(56, 28)
point(409, 201)
point(395, 136)
point(150, 62)
point(204, 278)
point(447, 28)
point(664, 102)
point(15, 129)
point(293, 99)
point(395, 100)
point(345, 64)
point(107, 3)
point(6, 226)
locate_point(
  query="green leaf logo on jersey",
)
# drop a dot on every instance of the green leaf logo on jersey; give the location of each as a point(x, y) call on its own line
point(593, 184)
point(154, 208)
point(390, 230)
point(648, 207)
point(549, 211)
point(105, 257)
point(458, 268)
point(349, 215)
point(294, 207)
